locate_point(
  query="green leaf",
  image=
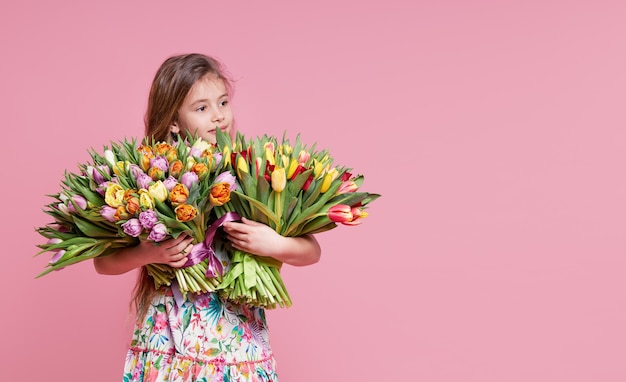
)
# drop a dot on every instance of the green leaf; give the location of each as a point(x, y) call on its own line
point(295, 186)
point(262, 190)
point(92, 230)
point(262, 208)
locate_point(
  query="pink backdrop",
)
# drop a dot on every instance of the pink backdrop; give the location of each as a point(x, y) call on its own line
point(495, 132)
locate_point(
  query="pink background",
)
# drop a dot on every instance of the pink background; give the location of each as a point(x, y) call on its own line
point(495, 132)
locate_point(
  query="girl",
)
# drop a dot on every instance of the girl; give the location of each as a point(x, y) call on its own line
point(206, 338)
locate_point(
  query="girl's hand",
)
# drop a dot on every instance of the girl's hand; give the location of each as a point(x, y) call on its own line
point(261, 240)
point(253, 237)
point(172, 252)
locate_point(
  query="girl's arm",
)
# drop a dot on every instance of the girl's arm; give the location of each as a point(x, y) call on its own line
point(261, 240)
point(168, 252)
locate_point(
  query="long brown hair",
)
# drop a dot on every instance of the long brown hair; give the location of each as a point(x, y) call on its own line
point(169, 88)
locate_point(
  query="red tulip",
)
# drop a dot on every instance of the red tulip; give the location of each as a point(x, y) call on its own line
point(340, 213)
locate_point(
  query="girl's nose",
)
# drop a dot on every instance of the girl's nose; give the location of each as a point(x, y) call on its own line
point(218, 116)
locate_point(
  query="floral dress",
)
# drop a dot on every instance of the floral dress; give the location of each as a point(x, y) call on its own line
point(204, 339)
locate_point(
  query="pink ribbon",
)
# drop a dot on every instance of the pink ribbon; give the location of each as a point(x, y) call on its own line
point(204, 250)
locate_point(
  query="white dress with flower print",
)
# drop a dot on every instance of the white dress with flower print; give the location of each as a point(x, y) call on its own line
point(205, 339)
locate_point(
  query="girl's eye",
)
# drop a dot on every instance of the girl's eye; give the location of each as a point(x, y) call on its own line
point(224, 103)
point(201, 108)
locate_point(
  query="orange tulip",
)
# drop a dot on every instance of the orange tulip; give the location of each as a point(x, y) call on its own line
point(185, 212)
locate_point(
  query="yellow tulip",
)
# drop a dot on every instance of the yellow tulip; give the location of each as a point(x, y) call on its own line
point(269, 155)
point(146, 201)
point(242, 166)
point(121, 167)
point(292, 168)
point(158, 191)
point(114, 195)
point(329, 176)
point(190, 163)
point(285, 148)
point(279, 180)
point(201, 145)
point(226, 155)
point(318, 167)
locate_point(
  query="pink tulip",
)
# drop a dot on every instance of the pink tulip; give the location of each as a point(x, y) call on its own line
point(340, 213)
point(226, 177)
point(357, 216)
point(108, 213)
point(347, 186)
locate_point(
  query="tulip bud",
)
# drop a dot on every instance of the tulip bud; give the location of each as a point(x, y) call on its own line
point(57, 256)
point(185, 212)
point(158, 191)
point(108, 213)
point(285, 148)
point(189, 179)
point(114, 195)
point(293, 165)
point(176, 167)
point(158, 232)
point(257, 163)
point(220, 194)
point(77, 201)
point(358, 214)
point(347, 186)
point(318, 167)
point(201, 145)
point(269, 155)
point(226, 177)
point(340, 213)
point(146, 201)
point(226, 155)
point(279, 180)
point(121, 167)
point(179, 194)
point(132, 227)
point(110, 157)
point(242, 166)
point(303, 156)
point(328, 179)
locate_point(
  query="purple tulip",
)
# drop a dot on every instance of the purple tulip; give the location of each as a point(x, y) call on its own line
point(108, 213)
point(77, 201)
point(61, 228)
point(189, 178)
point(143, 181)
point(136, 171)
point(160, 163)
point(195, 152)
point(226, 177)
point(63, 208)
point(148, 219)
point(170, 182)
point(57, 256)
point(132, 227)
point(218, 158)
point(95, 173)
point(158, 232)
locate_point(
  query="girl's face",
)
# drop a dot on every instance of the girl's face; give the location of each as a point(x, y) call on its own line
point(205, 109)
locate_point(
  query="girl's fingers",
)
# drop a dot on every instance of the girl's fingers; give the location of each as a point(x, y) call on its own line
point(232, 227)
point(178, 263)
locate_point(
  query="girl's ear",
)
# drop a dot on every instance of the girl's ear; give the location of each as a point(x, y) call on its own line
point(174, 129)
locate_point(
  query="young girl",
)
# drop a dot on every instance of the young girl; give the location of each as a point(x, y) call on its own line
point(206, 338)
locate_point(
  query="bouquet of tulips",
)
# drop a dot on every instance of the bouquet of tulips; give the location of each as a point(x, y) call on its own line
point(149, 191)
point(295, 190)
